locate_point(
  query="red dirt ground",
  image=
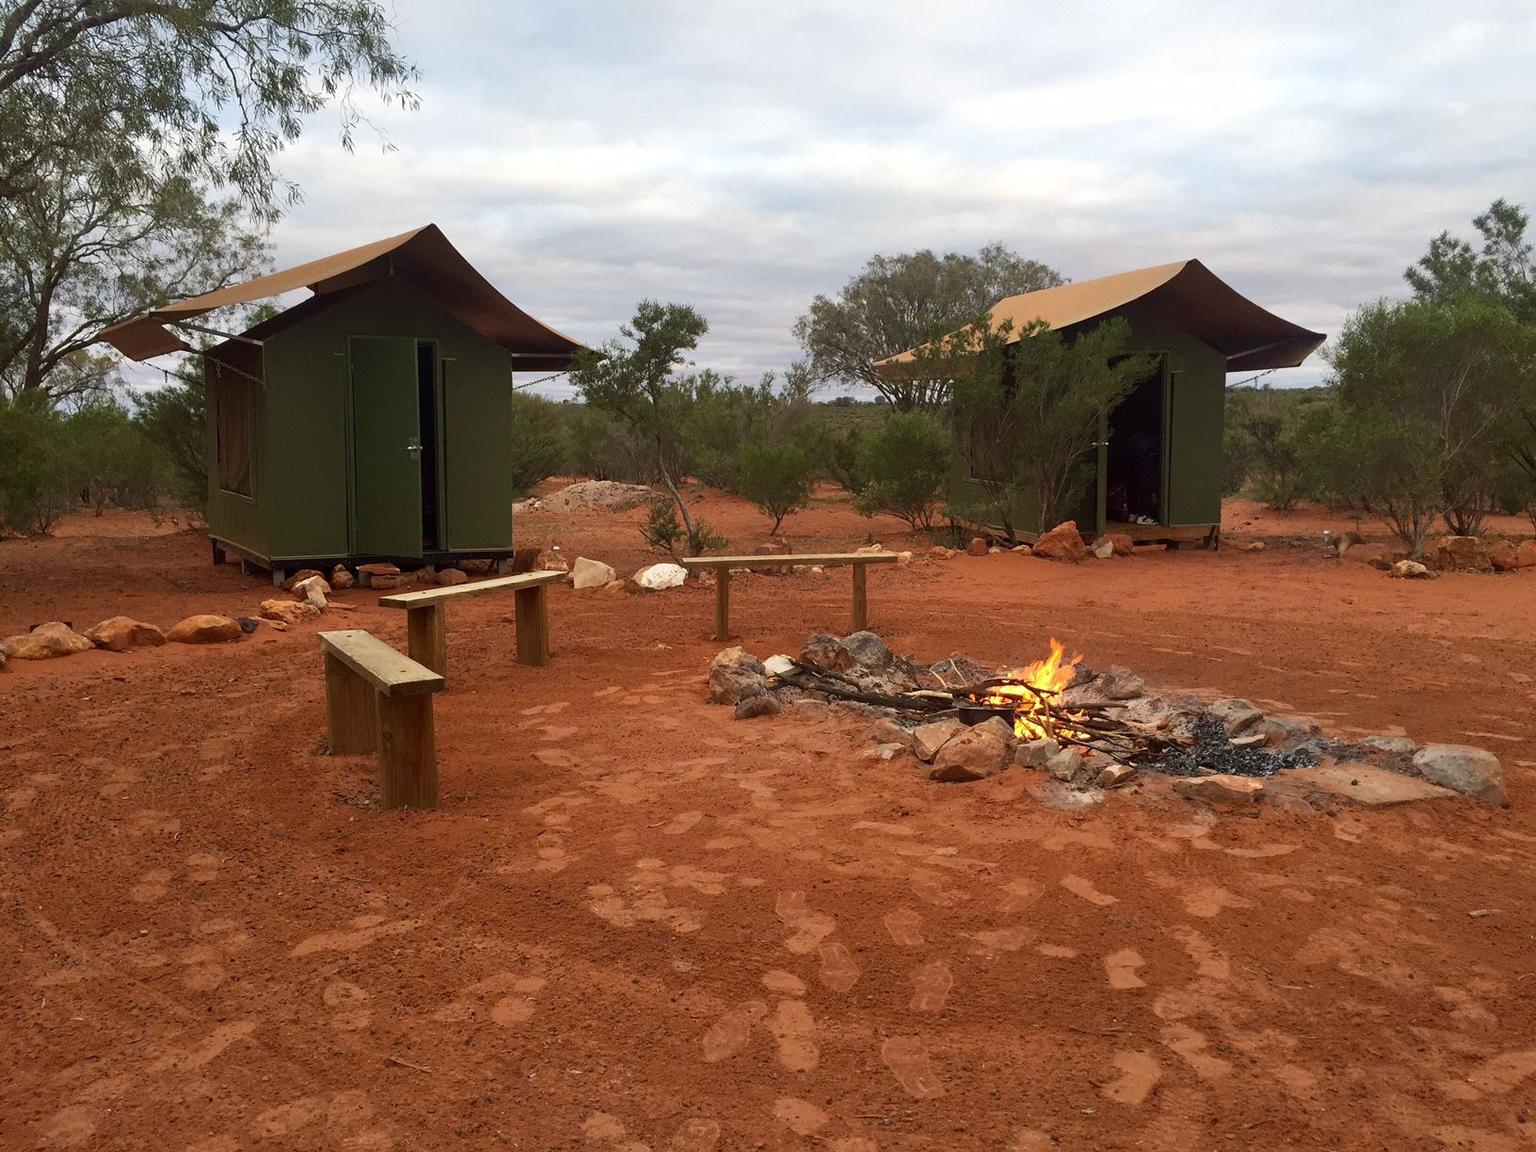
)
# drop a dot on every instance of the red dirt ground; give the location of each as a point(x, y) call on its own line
point(636, 923)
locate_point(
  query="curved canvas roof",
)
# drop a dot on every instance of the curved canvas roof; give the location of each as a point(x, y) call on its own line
point(1188, 293)
point(423, 255)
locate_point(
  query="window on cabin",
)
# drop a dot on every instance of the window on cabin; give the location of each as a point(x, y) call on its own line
point(234, 422)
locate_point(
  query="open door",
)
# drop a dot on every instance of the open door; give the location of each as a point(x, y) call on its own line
point(386, 447)
point(1135, 458)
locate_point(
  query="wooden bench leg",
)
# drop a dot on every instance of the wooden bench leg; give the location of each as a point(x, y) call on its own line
point(860, 599)
point(426, 636)
point(532, 608)
point(722, 604)
point(407, 752)
point(351, 717)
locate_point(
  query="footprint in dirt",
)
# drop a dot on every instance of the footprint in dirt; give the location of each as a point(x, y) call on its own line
point(1080, 886)
point(1122, 966)
point(801, 1116)
point(349, 1006)
point(839, 971)
point(906, 927)
point(1139, 1074)
point(808, 928)
point(931, 984)
point(151, 886)
point(731, 1032)
point(795, 1031)
point(907, 1058)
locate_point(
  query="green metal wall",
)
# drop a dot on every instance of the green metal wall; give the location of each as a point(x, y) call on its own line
point(1197, 375)
point(303, 454)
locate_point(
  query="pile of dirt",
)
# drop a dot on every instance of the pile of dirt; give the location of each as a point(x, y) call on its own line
point(603, 495)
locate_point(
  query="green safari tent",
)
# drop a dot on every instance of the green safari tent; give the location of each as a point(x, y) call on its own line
point(1157, 475)
point(369, 422)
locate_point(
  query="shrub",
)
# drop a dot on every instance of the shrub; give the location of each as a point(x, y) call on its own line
point(905, 465)
point(776, 477)
point(37, 473)
point(174, 418)
point(663, 530)
point(537, 441)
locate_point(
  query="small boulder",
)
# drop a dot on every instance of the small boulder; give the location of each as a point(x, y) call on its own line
point(1393, 745)
point(1411, 570)
point(887, 731)
point(1102, 549)
point(884, 752)
point(939, 552)
point(1288, 731)
point(827, 652)
point(1022, 549)
point(381, 568)
point(928, 740)
point(1220, 789)
point(426, 574)
point(341, 579)
point(1035, 753)
point(1120, 683)
point(868, 650)
point(300, 576)
point(1114, 774)
point(869, 549)
point(1120, 544)
point(550, 560)
point(449, 577)
point(656, 577)
point(977, 546)
point(974, 754)
point(1503, 555)
point(1062, 542)
point(385, 582)
point(752, 707)
point(249, 624)
point(1525, 555)
point(736, 675)
point(205, 629)
point(478, 567)
point(1467, 553)
point(313, 591)
point(587, 573)
point(120, 633)
point(1065, 765)
point(1236, 716)
point(1062, 797)
point(46, 641)
point(1462, 768)
point(288, 611)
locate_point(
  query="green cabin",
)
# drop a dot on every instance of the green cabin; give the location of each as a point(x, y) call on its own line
point(1156, 471)
point(369, 422)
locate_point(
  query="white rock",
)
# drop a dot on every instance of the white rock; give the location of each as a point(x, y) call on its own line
point(591, 573)
point(659, 576)
point(1462, 768)
point(778, 665)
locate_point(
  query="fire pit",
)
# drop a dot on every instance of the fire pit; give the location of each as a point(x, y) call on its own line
point(1087, 730)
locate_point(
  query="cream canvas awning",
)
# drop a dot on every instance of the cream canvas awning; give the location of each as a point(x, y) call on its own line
point(1186, 292)
point(423, 256)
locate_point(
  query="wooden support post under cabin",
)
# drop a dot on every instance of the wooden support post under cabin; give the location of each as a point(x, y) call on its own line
point(427, 625)
point(426, 636)
point(398, 690)
point(531, 606)
point(860, 599)
point(351, 713)
point(722, 603)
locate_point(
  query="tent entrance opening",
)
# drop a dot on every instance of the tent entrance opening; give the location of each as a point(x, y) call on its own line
point(1134, 469)
point(426, 406)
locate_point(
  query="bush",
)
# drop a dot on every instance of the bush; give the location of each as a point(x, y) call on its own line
point(174, 418)
point(35, 472)
point(537, 441)
point(113, 460)
point(776, 476)
point(602, 447)
point(663, 530)
point(905, 465)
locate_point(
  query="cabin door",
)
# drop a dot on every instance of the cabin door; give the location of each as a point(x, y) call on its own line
point(386, 447)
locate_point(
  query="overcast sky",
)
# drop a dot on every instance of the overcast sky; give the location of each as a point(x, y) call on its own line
point(744, 157)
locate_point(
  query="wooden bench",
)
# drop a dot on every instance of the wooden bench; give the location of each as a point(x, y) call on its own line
point(722, 566)
point(377, 699)
point(426, 624)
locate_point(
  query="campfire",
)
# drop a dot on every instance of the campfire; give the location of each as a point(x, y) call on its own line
point(1086, 730)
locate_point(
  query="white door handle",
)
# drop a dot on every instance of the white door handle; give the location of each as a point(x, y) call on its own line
point(413, 446)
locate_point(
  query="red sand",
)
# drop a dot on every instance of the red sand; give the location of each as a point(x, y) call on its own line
point(636, 923)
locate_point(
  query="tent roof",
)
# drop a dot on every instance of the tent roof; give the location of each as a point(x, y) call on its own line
point(1187, 292)
point(422, 255)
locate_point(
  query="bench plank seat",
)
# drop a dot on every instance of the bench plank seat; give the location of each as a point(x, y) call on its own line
point(722, 565)
point(392, 673)
point(473, 588)
point(427, 624)
point(820, 559)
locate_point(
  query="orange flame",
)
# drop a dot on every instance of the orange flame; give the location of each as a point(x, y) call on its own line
point(1048, 678)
